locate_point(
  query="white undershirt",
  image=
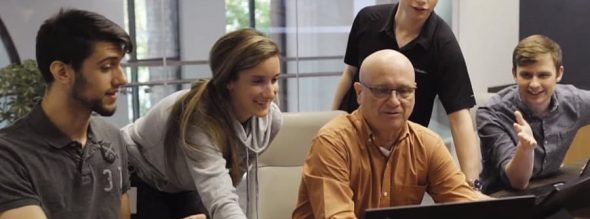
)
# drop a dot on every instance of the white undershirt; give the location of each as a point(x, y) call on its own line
point(384, 151)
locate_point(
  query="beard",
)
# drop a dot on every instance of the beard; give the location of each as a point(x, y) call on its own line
point(94, 104)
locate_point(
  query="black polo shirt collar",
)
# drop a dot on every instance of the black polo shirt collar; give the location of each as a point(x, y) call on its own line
point(425, 34)
point(45, 129)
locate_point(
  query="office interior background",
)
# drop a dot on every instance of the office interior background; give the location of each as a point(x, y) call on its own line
point(173, 39)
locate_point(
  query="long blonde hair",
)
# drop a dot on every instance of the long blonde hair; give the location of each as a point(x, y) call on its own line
point(207, 104)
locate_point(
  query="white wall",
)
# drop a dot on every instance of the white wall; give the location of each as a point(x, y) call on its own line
point(488, 32)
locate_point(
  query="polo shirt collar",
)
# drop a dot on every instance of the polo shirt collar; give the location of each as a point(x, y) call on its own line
point(425, 34)
point(45, 129)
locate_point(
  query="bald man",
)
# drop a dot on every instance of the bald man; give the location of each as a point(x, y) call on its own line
point(374, 157)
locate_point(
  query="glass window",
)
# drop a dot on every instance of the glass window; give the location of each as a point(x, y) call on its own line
point(174, 38)
point(153, 25)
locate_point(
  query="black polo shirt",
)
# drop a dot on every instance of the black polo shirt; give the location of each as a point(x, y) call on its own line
point(39, 165)
point(438, 62)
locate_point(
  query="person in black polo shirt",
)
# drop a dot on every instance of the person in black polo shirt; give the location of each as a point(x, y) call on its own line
point(412, 28)
point(59, 161)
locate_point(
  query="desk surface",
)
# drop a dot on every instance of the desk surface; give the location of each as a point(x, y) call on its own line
point(566, 173)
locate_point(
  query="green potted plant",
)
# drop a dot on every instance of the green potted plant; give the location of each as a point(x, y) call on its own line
point(21, 87)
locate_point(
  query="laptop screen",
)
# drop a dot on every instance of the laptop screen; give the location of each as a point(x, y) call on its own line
point(516, 207)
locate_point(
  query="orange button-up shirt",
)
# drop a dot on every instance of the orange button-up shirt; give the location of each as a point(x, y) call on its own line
point(345, 173)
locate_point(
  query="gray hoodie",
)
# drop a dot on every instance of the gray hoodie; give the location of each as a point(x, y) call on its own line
point(203, 168)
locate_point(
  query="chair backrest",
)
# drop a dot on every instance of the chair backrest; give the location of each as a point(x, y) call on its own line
point(279, 172)
point(580, 148)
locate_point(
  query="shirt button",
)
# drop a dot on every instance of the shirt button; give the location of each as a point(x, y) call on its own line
point(385, 194)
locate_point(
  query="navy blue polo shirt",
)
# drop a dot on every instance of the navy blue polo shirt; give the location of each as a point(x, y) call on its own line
point(435, 54)
point(39, 165)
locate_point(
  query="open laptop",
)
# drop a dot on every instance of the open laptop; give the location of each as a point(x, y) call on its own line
point(516, 207)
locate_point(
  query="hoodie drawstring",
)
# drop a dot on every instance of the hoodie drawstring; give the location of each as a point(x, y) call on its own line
point(252, 171)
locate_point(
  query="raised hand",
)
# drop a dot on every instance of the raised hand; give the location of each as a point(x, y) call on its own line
point(524, 132)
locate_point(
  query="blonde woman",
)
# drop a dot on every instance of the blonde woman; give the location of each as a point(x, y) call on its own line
point(192, 148)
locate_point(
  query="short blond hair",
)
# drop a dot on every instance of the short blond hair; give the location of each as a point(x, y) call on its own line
point(529, 49)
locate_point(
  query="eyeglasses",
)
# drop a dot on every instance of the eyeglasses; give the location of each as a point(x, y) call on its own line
point(383, 92)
